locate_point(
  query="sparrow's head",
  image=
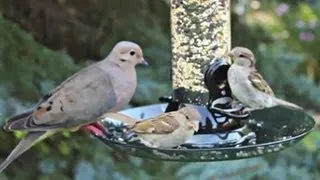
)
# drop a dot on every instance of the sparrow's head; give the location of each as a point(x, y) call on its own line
point(242, 57)
point(126, 54)
point(192, 115)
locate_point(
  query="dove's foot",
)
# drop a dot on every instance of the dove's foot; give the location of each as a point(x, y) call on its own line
point(95, 128)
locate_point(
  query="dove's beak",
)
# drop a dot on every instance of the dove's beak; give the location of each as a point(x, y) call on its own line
point(144, 62)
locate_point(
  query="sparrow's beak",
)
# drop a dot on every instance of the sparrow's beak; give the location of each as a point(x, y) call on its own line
point(194, 125)
point(230, 54)
point(144, 62)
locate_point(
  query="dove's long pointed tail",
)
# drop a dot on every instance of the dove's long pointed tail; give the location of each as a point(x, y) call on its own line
point(26, 143)
point(288, 104)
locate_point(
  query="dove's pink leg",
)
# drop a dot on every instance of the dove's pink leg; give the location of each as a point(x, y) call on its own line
point(96, 128)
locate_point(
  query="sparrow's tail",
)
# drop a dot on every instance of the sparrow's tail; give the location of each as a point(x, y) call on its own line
point(26, 143)
point(288, 104)
point(127, 120)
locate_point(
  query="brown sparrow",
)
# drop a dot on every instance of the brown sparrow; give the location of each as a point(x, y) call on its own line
point(248, 86)
point(166, 130)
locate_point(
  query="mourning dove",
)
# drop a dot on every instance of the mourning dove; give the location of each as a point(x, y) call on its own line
point(105, 86)
point(248, 86)
point(164, 131)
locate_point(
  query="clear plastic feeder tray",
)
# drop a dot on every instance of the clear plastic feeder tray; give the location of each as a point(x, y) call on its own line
point(264, 131)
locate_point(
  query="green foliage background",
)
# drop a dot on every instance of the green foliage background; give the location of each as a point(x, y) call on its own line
point(43, 42)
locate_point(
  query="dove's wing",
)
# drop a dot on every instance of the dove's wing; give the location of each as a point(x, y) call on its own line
point(163, 124)
point(44, 98)
point(80, 99)
point(259, 83)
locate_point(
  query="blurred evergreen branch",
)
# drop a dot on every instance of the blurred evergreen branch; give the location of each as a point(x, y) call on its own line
point(25, 67)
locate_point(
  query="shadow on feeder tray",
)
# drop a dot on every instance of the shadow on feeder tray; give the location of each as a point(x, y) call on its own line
point(225, 132)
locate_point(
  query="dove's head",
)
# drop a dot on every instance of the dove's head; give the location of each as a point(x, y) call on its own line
point(242, 57)
point(192, 115)
point(127, 54)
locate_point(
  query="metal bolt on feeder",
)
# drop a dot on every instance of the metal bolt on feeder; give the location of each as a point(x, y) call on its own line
point(200, 31)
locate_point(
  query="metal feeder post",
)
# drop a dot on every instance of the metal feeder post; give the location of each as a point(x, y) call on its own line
point(200, 31)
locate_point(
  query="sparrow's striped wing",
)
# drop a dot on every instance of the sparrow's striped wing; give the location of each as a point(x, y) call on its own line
point(259, 83)
point(163, 124)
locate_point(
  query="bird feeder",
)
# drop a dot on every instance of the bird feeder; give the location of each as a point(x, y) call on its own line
point(200, 36)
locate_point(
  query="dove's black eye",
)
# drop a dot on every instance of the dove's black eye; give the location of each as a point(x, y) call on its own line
point(132, 53)
point(187, 117)
point(122, 60)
